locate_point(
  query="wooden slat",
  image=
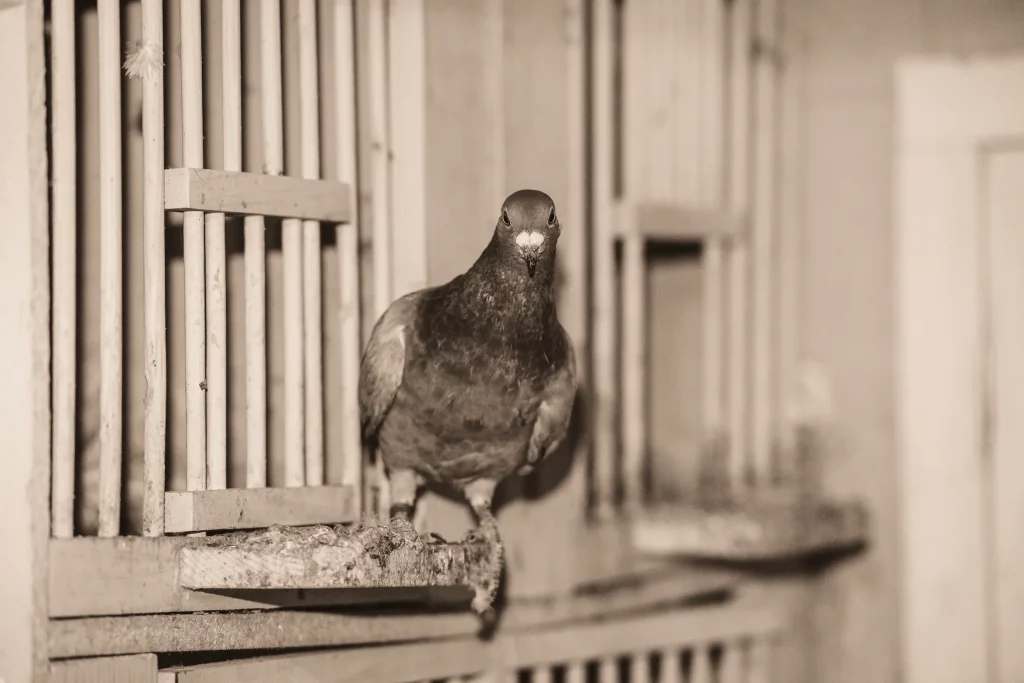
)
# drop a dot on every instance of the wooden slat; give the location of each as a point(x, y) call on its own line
point(111, 271)
point(671, 666)
point(608, 670)
point(759, 660)
point(603, 281)
point(65, 286)
point(763, 228)
point(575, 672)
point(312, 324)
point(194, 238)
point(188, 511)
point(255, 194)
point(387, 664)
point(126, 669)
point(348, 251)
point(677, 222)
point(738, 263)
point(634, 371)
point(700, 665)
point(380, 146)
point(731, 663)
point(154, 278)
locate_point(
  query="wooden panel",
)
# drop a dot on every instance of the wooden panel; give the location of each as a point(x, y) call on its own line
point(677, 222)
point(942, 397)
point(389, 664)
point(128, 669)
point(254, 508)
point(279, 629)
point(25, 331)
point(1003, 205)
point(255, 194)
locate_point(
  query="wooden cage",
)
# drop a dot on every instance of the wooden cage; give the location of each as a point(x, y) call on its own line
point(237, 191)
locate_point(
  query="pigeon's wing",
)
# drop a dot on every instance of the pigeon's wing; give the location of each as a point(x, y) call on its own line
point(383, 364)
point(552, 422)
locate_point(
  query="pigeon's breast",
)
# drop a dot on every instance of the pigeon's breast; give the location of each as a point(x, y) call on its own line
point(462, 415)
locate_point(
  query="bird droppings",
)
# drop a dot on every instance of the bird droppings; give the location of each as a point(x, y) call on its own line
point(372, 554)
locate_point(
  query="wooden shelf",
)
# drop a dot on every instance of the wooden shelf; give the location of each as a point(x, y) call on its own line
point(760, 531)
point(225, 509)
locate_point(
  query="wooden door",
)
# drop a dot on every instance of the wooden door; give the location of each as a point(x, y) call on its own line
point(960, 328)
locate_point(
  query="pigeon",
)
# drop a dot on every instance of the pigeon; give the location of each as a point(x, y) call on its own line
point(472, 381)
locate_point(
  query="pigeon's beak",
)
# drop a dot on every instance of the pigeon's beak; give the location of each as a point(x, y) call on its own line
point(531, 261)
point(530, 245)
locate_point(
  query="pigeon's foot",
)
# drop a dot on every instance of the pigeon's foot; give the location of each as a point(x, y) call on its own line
point(404, 484)
point(402, 511)
point(487, 588)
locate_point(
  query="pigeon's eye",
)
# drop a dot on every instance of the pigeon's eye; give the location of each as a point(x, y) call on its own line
point(551, 216)
point(505, 219)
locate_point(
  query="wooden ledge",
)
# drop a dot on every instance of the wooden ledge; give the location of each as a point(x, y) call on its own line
point(256, 194)
point(389, 555)
point(668, 222)
point(188, 511)
point(753, 532)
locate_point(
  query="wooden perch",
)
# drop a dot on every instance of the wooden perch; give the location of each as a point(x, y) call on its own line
point(757, 531)
point(390, 555)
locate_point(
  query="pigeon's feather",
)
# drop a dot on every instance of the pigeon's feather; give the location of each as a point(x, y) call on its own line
point(383, 364)
point(552, 422)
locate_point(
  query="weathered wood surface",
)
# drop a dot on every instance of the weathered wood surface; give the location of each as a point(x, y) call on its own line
point(288, 628)
point(256, 508)
point(141, 668)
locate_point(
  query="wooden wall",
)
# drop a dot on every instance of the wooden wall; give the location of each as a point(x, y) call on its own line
point(840, 194)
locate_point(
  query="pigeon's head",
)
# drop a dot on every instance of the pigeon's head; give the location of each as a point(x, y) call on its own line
point(528, 228)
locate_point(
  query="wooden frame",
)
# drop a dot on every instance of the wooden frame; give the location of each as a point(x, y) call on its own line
point(944, 383)
point(25, 329)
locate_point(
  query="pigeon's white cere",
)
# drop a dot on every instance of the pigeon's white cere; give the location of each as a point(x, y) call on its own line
point(532, 239)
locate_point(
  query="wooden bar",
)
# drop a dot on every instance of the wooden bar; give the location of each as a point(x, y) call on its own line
point(194, 235)
point(542, 674)
point(154, 276)
point(603, 282)
point(634, 371)
point(678, 222)
point(671, 666)
point(140, 668)
point(575, 672)
point(737, 57)
point(730, 664)
point(348, 250)
point(250, 509)
point(640, 668)
point(700, 665)
point(195, 189)
point(763, 241)
point(312, 278)
point(380, 147)
point(111, 369)
point(759, 659)
point(65, 286)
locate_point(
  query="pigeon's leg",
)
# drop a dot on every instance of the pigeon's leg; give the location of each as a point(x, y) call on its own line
point(404, 484)
point(480, 494)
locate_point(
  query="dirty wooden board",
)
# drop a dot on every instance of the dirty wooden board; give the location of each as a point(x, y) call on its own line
point(288, 628)
point(390, 555)
point(223, 509)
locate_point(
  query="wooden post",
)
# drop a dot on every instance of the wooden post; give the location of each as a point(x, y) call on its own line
point(65, 287)
point(155, 277)
point(110, 267)
point(309, 111)
point(25, 331)
point(348, 249)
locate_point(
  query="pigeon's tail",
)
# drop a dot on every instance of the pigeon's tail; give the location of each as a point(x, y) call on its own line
point(487, 588)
